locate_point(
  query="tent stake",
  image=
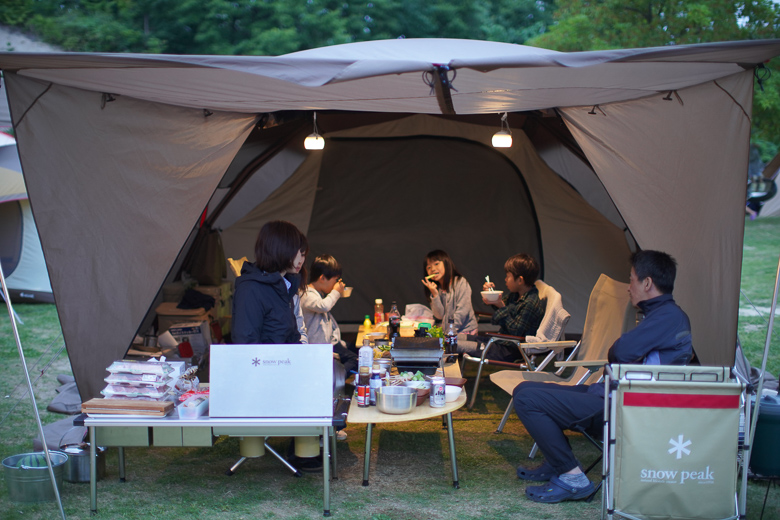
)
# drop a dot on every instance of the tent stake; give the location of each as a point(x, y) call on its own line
point(12, 315)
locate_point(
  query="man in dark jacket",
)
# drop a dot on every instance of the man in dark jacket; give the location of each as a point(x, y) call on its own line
point(546, 409)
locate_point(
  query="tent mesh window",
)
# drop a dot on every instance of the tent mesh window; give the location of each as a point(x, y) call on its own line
point(11, 233)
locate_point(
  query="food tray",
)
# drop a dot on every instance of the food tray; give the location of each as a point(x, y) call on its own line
point(140, 367)
point(139, 380)
point(128, 391)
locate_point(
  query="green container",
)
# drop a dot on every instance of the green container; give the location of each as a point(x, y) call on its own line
point(765, 454)
point(28, 480)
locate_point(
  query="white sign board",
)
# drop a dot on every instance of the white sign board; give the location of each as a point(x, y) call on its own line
point(268, 381)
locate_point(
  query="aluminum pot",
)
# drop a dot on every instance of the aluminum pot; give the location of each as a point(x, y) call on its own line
point(396, 399)
point(77, 466)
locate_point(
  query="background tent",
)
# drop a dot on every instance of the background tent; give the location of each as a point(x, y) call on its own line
point(611, 147)
point(20, 247)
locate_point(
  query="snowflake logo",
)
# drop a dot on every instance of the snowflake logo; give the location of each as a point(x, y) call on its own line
point(680, 446)
point(256, 362)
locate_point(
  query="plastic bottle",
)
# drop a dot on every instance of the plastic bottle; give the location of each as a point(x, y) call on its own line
point(366, 355)
point(394, 322)
point(375, 383)
point(451, 338)
point(379, 311)
point(367, 324)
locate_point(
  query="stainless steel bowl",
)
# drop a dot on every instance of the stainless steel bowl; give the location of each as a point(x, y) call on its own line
point(396, 399)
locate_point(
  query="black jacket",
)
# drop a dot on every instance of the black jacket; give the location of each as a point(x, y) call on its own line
point(263, 308)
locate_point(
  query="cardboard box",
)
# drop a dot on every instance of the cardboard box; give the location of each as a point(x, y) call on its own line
point(197, 333)
point(168, 314)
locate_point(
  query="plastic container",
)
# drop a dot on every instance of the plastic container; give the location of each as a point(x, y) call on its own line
point(195, 406)
point(765, 455)
point(28, 479)
point(379, 311)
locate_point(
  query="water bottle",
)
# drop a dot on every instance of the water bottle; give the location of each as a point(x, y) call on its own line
point(451, 338)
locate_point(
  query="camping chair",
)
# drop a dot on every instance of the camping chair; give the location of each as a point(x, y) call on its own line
point(609, 314)
point(672, 434)
point(546, 342)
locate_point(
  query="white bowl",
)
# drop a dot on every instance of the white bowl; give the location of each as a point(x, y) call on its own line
point(452, 393)
point(491, 296)
point(423, 385)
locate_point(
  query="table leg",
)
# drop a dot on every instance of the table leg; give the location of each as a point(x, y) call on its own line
point(326, 471)
point(121, 464)
point(453, 459)
point(332, 436)
point(92, 471)
point(367, 460)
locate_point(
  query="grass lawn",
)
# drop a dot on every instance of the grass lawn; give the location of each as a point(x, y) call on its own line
point(410, 472)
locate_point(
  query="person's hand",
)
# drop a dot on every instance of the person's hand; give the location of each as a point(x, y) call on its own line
point(431, 285)
point(340, 285)
point(488, 285)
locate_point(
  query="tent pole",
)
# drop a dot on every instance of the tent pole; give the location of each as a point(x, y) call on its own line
point(11, 315)
point(760, 386)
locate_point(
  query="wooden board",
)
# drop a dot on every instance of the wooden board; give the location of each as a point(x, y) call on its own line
point(127, 407)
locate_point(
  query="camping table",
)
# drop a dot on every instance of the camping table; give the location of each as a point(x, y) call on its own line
point(372, 416)
point(125, 431)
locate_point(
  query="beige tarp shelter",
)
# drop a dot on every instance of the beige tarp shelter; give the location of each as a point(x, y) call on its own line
point(613, 149)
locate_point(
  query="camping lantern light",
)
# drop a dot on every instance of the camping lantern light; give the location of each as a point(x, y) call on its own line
point(314, 141)
point(503, 138)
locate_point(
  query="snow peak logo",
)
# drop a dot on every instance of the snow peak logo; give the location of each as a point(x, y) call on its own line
point(270, 362)
point(679, 449)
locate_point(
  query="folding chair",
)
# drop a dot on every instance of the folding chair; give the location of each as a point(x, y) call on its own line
point(673, 437)
point(609, 315)
point(546, 342)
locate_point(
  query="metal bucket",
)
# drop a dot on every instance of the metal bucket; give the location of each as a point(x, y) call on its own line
point(77, 467)
point(32, 484)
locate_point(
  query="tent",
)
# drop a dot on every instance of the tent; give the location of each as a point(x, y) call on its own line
point(612, 150)
point(20, 247)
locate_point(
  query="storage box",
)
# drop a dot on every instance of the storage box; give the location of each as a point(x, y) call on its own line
point(168, 314)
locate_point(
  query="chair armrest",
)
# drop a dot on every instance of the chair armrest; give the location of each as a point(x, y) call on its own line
point(551, 345)
point(507, 337)
point(594, 363)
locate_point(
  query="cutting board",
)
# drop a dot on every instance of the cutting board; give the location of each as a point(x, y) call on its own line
point(127, 407)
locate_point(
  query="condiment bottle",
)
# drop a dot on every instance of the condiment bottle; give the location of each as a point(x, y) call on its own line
point(367, 324)
point(375, 383)
point(363, 389)
point(379, 311)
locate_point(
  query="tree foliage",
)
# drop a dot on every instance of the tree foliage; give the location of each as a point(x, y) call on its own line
point(582, 25)
point(267, 27)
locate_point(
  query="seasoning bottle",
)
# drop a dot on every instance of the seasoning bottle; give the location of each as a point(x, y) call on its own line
point(379, 311)
point(367, 324)
point(375, 383)
point(363, 389)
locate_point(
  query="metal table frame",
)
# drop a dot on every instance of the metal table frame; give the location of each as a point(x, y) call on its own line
point(245, 427)
point(372, 416)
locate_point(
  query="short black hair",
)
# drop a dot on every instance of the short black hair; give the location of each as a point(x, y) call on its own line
point(656, 265)
point(324, 265)
point(523, 265)
point(277, 245)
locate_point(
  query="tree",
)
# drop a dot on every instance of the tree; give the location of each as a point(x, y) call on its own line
point(582, 25)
